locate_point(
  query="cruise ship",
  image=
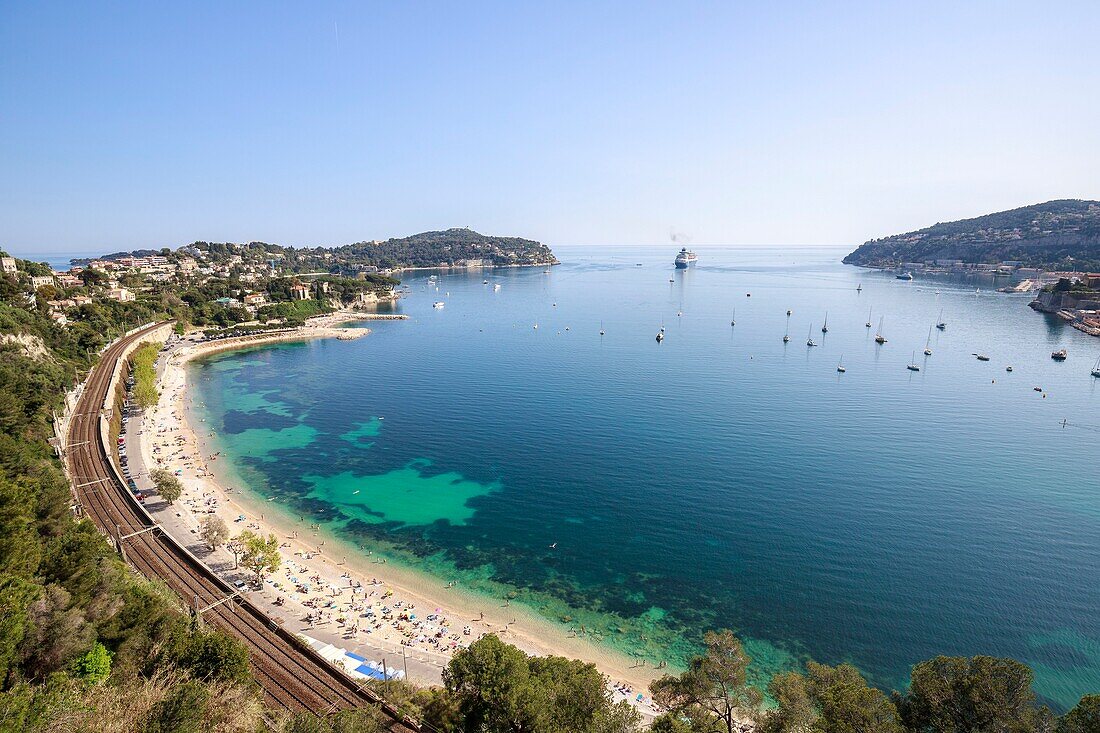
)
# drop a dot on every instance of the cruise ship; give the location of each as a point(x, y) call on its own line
point(685, 259)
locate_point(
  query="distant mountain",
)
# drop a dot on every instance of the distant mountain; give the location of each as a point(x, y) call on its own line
point(1044, 235)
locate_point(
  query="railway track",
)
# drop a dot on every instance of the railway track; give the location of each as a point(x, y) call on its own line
point(292, 675)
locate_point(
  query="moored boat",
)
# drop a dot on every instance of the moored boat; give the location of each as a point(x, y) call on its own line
point(1059, 355)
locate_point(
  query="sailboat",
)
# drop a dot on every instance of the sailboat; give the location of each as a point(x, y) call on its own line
point(809, 340)
point(825, 325)
point(787, 330)
point(940, 322)
point(840, 365)
point(1096, 368)
point(868, 324)
point(601, 328)
point(733, 320)
point(661, 335)
point(879, 338)
point(912, 365)
point(859, 288)
point(928, 343)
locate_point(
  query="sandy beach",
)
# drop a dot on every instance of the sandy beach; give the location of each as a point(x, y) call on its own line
point(330, 591)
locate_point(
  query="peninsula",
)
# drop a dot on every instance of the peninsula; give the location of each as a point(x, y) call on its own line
point(1056, 235)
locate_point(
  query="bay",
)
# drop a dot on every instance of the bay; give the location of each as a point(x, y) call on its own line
point(717, 479)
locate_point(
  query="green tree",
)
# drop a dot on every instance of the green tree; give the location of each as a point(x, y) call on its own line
point(168, 486)
point(846, 704)
point(16, 596)
point(795, 711)
point(499, 689)
point(213, 531)
point(1083, 718)
point(214, 655)
point(260, 554)
point(94, 666)
point(975, 694)
point(715, 686)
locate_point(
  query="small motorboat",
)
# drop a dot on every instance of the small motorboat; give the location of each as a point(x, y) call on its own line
point(1037, 389)
point(1008, 368)
point(1059, 355)
point(981, 357)
point(438, 304)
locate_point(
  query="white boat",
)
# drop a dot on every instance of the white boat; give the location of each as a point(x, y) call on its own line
point(1096, 368)
point(940, 323)
point(685, 259)
point(496, 286)
point(438, 304)
point(868, 324)
point(879, 338)
point(601, 328)
point(928, 343)
point(981, 357)
point(810, 341)
point(660, 336)
point(840, 365)
point(912, 365)
point(733, 320)
point(825, 325)
point(787, 331)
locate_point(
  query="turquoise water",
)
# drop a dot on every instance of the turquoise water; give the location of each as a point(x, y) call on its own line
point(719, 479)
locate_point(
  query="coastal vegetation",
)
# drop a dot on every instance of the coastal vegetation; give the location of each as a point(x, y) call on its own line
point(145, 375)
point(455, 247)
point(167, 485)
point(1062, 234)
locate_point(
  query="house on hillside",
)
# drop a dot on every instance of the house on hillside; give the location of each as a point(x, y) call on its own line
point(298, 291)
point(7, 264)
point(122, 295)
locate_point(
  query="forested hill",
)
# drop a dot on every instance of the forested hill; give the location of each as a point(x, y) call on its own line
point(458, 247)
point(448, 247)
point(1043, 235)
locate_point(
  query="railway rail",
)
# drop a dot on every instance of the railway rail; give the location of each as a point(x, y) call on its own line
point(292, 675)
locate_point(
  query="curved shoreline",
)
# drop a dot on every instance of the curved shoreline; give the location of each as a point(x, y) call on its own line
point(303, 544)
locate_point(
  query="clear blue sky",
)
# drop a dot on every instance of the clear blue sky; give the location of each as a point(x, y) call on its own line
point(126, 125)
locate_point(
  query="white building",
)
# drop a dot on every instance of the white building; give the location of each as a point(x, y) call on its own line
point(7, 264)
point(122, 295)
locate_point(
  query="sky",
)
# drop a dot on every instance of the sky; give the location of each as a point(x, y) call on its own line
point(145, 125)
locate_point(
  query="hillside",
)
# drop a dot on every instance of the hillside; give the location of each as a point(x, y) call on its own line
point(448, 247)
point(1044, 235)
point(457, 247)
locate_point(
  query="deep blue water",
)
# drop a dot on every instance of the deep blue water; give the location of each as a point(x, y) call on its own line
point(719, 479)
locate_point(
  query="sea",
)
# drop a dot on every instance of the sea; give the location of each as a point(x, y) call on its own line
point(532, 440)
